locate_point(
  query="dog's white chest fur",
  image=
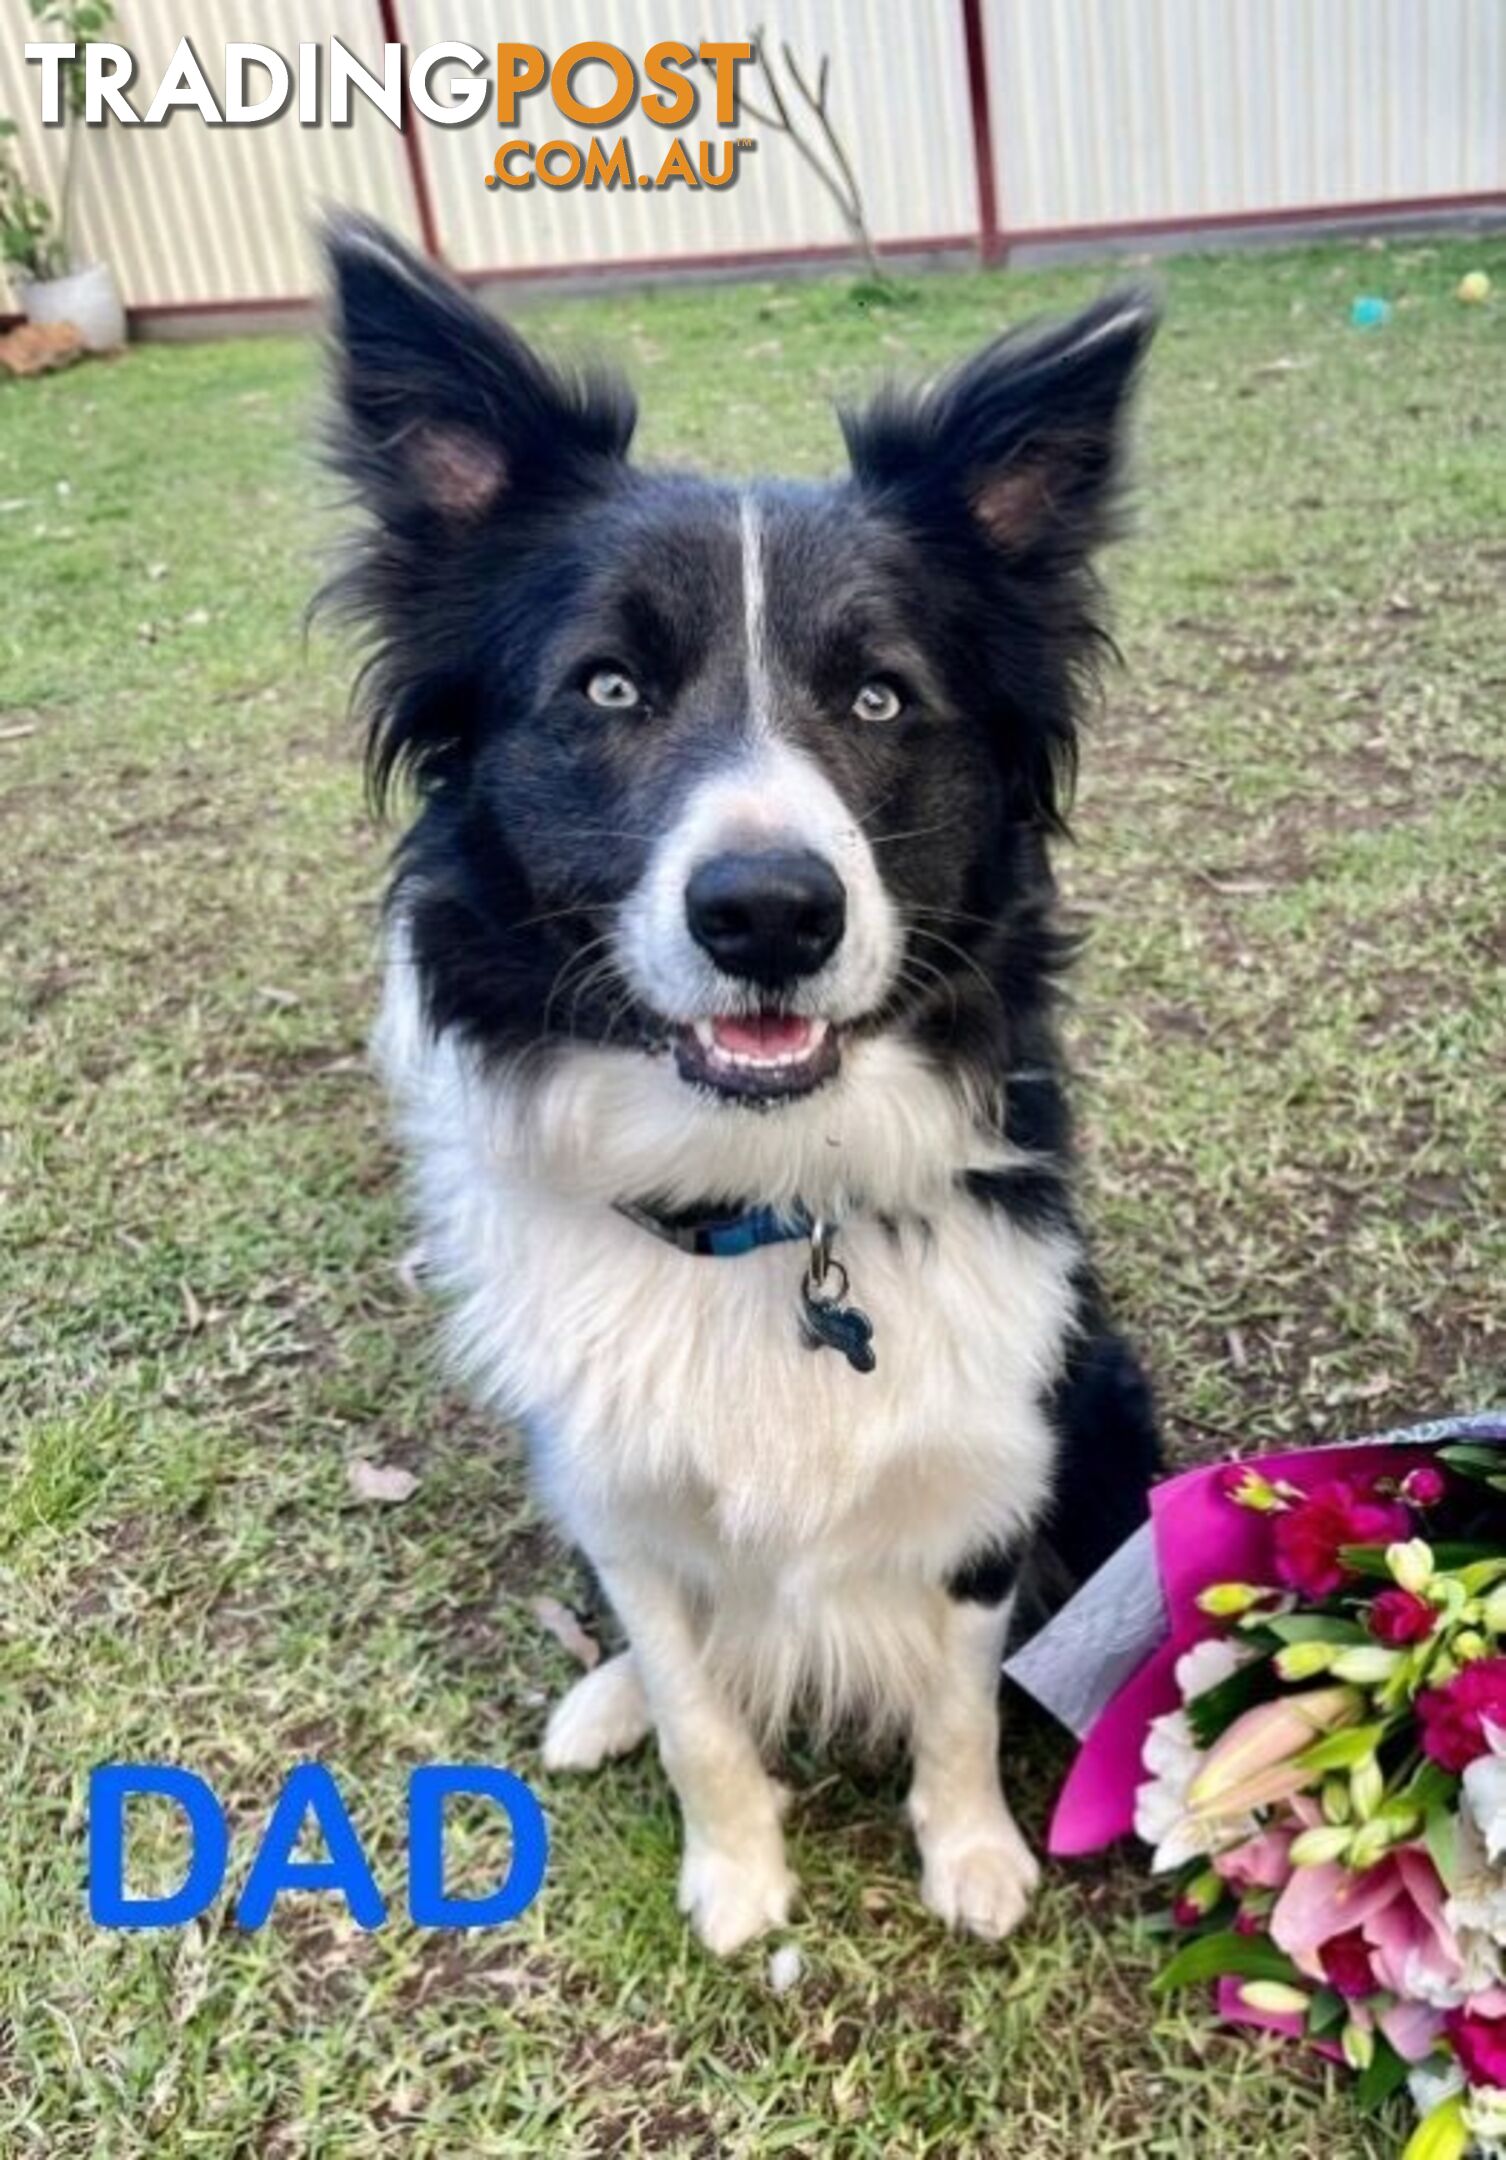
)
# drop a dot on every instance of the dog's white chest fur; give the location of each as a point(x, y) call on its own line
point(671, 1403)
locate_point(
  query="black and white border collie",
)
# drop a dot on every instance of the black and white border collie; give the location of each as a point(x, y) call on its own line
point(720, 1018)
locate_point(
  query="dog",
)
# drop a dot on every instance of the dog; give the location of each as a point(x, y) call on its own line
point(720, 1016)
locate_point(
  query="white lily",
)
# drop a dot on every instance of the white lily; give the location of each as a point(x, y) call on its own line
point(1485, 2120)
point(1476, 1909)
point(1205, 1665)
point(1173, 1758)
point(1433, 2081)
point(1485, 1793)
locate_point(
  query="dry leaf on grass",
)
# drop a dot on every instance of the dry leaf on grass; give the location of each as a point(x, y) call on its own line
point(564, 1625)
point(385, 1483)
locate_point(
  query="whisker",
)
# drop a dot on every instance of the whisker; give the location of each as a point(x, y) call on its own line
point(578, 959)
point(965, 957)
point(957, 915)
point(925, 989)
point(915, 832)
point(882, 804)
point(602, 971)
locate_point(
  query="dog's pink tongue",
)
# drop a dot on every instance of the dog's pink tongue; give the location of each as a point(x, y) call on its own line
point(769, 1035)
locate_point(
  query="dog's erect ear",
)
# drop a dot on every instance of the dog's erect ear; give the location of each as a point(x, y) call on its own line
point(1024, 438)
point(448, 416)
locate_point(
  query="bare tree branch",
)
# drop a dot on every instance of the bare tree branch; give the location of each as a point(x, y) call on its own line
point(834, 169)
point(817, 101)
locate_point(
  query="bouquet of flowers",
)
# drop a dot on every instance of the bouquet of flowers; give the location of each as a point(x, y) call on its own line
point(1315, 1751)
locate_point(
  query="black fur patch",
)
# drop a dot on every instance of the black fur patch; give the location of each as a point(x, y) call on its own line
point(1109, 1455)
point(987, 1580)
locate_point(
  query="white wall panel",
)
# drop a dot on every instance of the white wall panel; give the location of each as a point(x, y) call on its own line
point(1119, 112)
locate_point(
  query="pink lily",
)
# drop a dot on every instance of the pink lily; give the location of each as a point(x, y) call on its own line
point(1321, 1902)
point(1416, 1951)
point(1259, 1863)
point(1253, 1764)
point(1398, 1907)
point(1412, 2029)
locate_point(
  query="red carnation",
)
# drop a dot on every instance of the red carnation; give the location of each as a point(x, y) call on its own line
point(1425, 1486)
point(1399, 1617)
point(1308, 1538)
point(1453, 1718)
point(1346, 1964)
point(1480, 2044)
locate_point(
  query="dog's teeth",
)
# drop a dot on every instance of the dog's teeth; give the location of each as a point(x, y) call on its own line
point(760, 1066)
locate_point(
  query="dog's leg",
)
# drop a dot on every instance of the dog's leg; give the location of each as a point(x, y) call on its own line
point(733, 1879)
point(604, 1714)
point(977, 1872)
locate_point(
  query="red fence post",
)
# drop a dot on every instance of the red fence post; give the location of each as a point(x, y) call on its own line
point(418, 173)
point(991, 241)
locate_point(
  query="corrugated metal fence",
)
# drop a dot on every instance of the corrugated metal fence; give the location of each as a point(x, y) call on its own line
point(972, 123)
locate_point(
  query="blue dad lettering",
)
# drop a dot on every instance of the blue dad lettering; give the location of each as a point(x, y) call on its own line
point(309, 1792)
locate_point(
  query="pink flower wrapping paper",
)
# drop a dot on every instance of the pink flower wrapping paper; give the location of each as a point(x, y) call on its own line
point(1291, 1685)
point(1197, 1539)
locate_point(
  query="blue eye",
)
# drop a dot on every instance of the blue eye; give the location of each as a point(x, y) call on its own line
point(877, 701)
point(614, 691)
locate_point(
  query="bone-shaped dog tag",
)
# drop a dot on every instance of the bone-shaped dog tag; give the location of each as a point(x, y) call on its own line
point(827, 1322)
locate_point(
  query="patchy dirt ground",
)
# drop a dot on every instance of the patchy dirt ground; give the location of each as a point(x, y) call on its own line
point(1291, 1032)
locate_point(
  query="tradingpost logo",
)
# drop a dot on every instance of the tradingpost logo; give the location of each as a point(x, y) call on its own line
point(671, 85)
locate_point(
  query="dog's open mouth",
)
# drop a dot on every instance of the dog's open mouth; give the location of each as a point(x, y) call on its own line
point(760, 1056)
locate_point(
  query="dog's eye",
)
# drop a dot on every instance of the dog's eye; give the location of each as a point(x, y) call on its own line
point(611, 688)
point(877, 701)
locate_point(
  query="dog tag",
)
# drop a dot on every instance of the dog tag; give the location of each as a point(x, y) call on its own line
point(827, 1322)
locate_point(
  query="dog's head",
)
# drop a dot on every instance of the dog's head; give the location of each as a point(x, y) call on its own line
point(735, 779)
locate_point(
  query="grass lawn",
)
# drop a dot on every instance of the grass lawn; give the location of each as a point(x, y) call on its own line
point(1291, 1032)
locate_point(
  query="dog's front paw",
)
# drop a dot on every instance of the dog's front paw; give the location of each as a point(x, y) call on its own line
point(604, 1714)
point(979, 1878)
point(731, 1892)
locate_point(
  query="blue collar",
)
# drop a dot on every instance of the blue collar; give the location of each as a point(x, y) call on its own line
point(827, 1321)
point(722, 1236)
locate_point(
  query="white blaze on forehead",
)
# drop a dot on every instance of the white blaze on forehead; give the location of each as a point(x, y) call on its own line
point(771, 795)
point(760, 702)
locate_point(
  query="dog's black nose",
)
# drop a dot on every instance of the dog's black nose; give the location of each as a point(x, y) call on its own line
point(768, 917)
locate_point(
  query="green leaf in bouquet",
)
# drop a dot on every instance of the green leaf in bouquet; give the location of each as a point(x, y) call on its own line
point(1212, 1957)
point(1468, 1455)
point(1441, 1834)
point(1432, 1786)
point(1342, 1750)
point(1454, 1554)
point(1319, 1627)
point(1214, 1711)
point(1482, 1575)
point(1328, 2013)
point(1370, 1560)
point(1386, 2072)
point(1367, 1560)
